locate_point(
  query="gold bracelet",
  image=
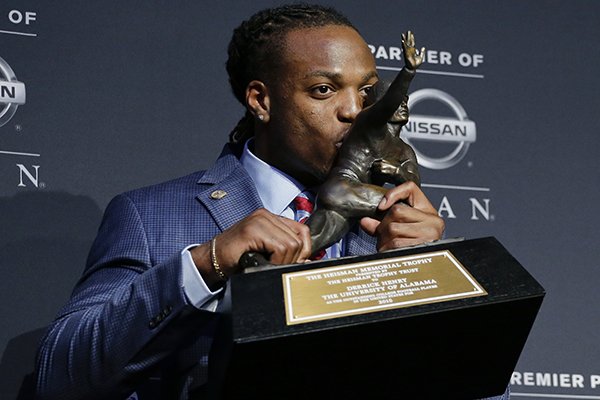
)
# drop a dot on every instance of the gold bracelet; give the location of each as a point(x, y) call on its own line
point(213, 259)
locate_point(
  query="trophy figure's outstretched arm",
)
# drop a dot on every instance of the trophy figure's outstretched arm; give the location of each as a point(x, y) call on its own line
point(381, 111)
point(413, 58)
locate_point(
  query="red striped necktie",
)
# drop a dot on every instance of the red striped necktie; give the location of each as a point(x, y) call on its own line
point(304, 207)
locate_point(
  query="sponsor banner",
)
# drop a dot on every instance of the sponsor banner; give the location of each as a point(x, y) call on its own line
point(459, 131)
point(12, 93)
point(562, 385)
point(20, 169)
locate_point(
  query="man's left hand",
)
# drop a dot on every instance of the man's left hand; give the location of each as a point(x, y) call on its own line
point(409, 219)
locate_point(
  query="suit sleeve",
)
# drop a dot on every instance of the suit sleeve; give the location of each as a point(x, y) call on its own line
point(126, 315)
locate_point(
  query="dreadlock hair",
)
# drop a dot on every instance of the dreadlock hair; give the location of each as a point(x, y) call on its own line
point(257, 43)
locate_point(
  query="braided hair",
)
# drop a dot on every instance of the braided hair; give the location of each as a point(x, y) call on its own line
point(256, 44)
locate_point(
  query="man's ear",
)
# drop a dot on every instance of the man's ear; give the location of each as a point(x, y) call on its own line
point(258, 101)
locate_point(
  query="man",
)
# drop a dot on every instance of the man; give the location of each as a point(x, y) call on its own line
point(145, 305)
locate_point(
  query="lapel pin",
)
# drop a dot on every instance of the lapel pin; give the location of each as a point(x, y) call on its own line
point(218, 194)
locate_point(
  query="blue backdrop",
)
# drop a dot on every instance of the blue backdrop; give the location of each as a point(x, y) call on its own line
point(100, 97)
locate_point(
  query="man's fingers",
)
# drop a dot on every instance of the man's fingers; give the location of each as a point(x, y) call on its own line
point(303, 233)
point(408, 193)
point(406, 226)
point(409, 219)
point(399, 193)
point(369, 225)
point(288, 241)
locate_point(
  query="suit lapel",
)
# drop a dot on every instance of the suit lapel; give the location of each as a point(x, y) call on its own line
point(227, 191)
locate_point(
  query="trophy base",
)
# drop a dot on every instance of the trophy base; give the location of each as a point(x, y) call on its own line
point(464, 345)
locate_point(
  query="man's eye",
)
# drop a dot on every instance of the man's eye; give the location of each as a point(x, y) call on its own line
point(365, 91)
point(322, 90)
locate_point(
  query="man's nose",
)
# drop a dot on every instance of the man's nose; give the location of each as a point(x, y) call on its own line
point(349, 107)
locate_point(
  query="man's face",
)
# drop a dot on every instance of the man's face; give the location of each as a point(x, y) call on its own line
point(314, 97)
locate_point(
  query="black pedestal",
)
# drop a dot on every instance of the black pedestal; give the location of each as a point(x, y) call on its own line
point(462, 349)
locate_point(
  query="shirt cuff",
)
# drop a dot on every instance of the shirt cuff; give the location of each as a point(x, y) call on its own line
point(194, 287)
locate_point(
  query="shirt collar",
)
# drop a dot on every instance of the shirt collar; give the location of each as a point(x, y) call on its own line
point(275, 188)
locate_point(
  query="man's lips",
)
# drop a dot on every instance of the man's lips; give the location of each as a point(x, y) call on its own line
point(341, 139)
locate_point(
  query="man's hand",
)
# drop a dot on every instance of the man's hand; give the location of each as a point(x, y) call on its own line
point(285, 240)
point(409, 219)
point(413, 58)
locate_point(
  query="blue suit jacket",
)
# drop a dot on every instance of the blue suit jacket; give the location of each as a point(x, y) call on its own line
point(128, 320)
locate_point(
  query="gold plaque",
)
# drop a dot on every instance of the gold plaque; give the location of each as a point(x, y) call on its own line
point(366, 287)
